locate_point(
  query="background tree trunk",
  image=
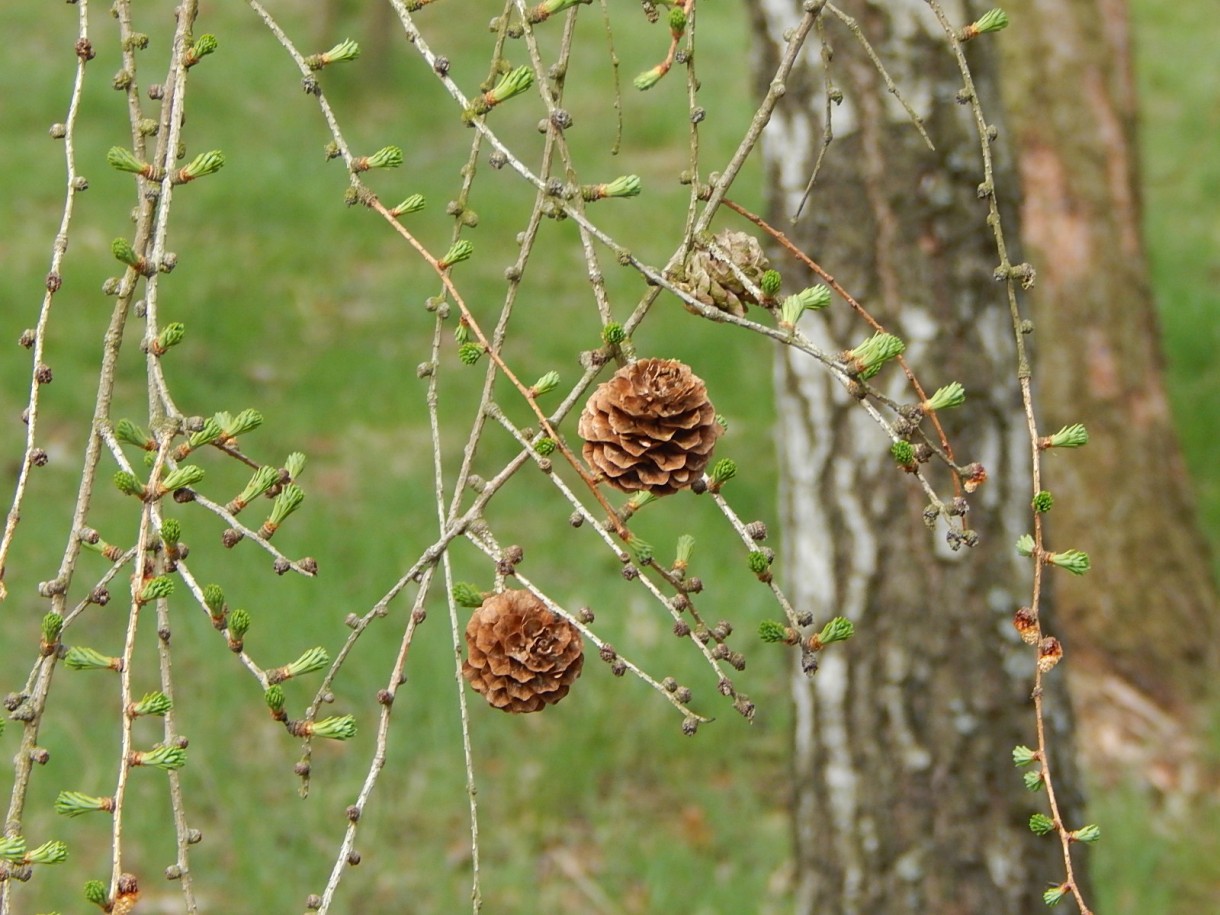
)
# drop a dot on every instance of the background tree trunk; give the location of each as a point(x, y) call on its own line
point(906, 797)
point(1127, 499)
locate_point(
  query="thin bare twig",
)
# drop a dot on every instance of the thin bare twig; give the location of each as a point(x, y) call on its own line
point(1006, 269)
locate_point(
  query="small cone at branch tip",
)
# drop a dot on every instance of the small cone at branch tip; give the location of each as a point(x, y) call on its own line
point(1050, 652)
point(973, 476)
point(520, 655)
point(1026, 623)
point(650, 427)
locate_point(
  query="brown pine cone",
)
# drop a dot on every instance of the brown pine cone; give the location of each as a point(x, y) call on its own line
point(521, 656)
point(650, 427)
point(712, 281)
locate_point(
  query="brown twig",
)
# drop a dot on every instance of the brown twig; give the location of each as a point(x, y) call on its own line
point(787, 244)
point(1023, 378)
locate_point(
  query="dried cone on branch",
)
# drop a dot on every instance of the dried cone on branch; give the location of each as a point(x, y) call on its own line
point(650, 427)
point(521, 656)
point(712, 281)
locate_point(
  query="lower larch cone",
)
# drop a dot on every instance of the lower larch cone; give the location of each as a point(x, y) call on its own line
point(520, 655)
point(650, 427)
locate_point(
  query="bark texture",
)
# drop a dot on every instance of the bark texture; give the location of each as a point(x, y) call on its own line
point(906, 797)
point(1140, 643)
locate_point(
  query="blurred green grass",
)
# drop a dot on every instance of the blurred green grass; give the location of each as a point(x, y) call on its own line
point(313, 313)
point(1180, 111)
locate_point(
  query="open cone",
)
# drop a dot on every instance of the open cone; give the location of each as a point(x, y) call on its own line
point(650, 427)
point(520, 655)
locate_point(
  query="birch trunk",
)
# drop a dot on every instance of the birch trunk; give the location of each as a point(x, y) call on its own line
point(906, 797)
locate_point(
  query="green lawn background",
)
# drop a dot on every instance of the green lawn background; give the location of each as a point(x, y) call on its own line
point(313, 313)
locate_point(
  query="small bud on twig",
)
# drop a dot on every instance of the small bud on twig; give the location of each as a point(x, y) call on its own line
point(312, 660)
point(991, 21)
point(264, 478)
point(814, 298)
point(207, 163)
point(154, 703)
point(951, 395)
point(237, 625)
point(123, 160)
point(74, 804)
point(341, 727)
point(467, 595)
point(686, 545)
point(903, 453)
point(164, 758)
point(386, 157)
point(470, 353)
point(1055, 893)
point(1074, 561)
point(511, 84)
point(772, 631)
point(722, 471)
point(274, 697)
point(1023, 756)
point(867, 359)
point(12, 848)
point(288, 501)
point(199, 49)
point(1086, 834)
point(232, 426)
point(412, 204)
point(677, 22)
point(839, 629)
point(545, 384)
point(127, 431)
point(641, 551)
point(171, 335)
point(650, 78)
point(52, 626)
point(157, 588)
point(123, 251)
point(1040, 824)
point(625, 186)
point(461, 250)
point(95, 892)
point(81, 658)
point(343, 51)
point(1073, 436)
point(294, 464)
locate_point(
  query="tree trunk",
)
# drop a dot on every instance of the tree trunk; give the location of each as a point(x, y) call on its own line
point(1140, 646)
point(906, 797)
